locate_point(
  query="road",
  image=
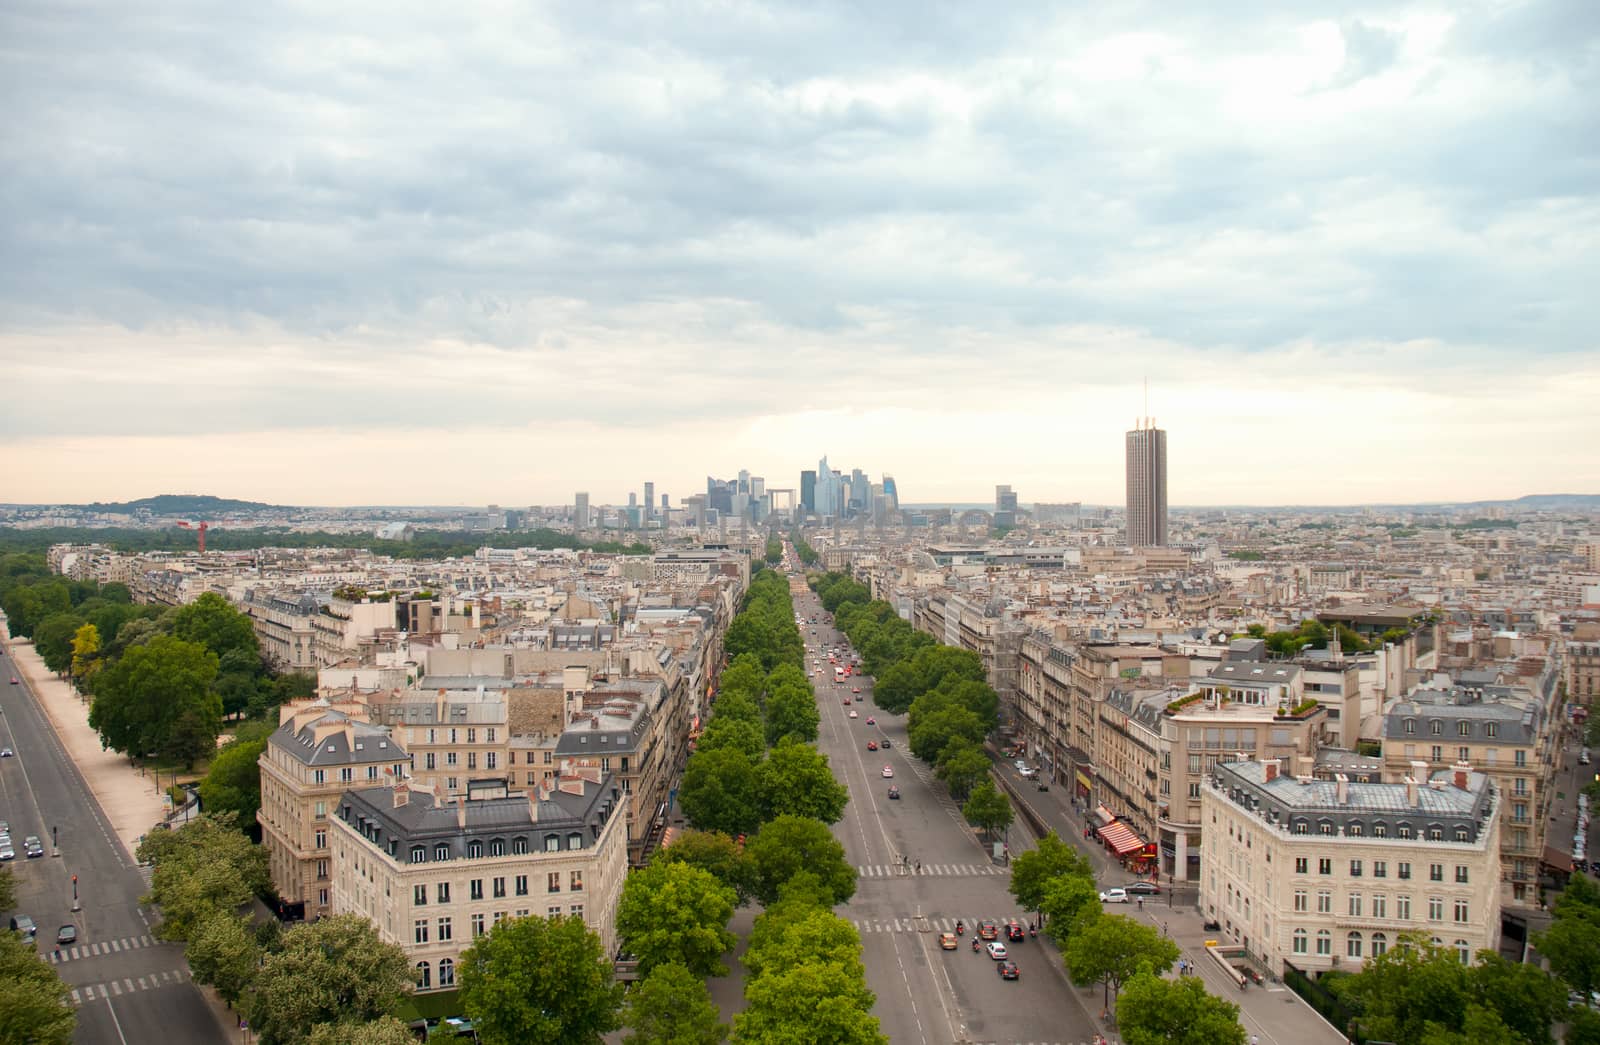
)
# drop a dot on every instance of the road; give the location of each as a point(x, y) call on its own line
point(128, 986)
point(926, 994)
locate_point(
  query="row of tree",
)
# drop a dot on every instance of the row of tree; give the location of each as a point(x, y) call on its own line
point(1126, 956)
point(952, 708)
point(33, 1000)
point(425, 544)
point(807, 554)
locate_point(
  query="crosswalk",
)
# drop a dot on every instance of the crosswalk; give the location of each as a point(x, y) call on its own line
point(128, 985)
point(930, 924)
point(92, 950)
point(946, 870)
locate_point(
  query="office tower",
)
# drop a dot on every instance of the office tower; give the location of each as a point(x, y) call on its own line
point(580, 511)
point(758, 487)
point(665, 506)
point(808, 490)
point(1005, 506)
point(1147, 486)
point(824, 493)
point(744, 481)
point(633, 500)
point(719, 495)
point(649, 500)
point(892, 492)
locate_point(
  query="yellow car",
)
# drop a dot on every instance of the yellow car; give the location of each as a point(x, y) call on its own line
point(947, 941)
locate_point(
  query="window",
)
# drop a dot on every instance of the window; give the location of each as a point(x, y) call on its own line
point(1436, 872)
point(372, 772)
point(1519, 811)
point(488, 735)
point(499, 888)
point(1355, 868)
point(575, 881)
point(1461, 874)
point(322, 810)
point(519, 845)
point(1436, 728)
point(1324, 827)
point(1324, 901)
point(1300, 900)
point(424, 981)
point(1404, 869)
point(429, 762)
point(472, 735)
point(1352, 945)
point(1435, 909)
point(447, 972)
point(1299, 941)
point(1461, 911)
point(444, 929)
point(419, 895)
point(347, 775)
point(1438, 753)
point(419, 931)
point(472, 760)
point(1355, 905)
point(1491, 729)
point(577, 910)
point(1380, 868)
point(552, 843)
point(477, 926)
point(441, 852)
point(449, 758)
point(1324, 942)
point(1464, 952)
point(575, 840)
point(321, 839)
point(1463, 754)
point(1411, 726)
point(1405, 831)
point(475, 889)
point(442, 892)
point(1325, 865)
point(1380, 830)
point(319, 776)
point(497, 847)
point(322, 868)
point(1520, 759)
point(1300, 864)
point(553, 882)
point(1402, 908)
point(522, 885)
point(474, 849)
point(1463, 729)
point(418, 854)
point(489, 760)
point(553, 912)
point(1355, 830)
point(1194, 790)
point(1379, 906)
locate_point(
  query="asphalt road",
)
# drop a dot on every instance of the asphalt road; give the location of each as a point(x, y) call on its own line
point(128, 986)
point(926, 994)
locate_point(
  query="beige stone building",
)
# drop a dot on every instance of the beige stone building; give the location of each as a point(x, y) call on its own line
point(433, 874)
point(318, 752)
point(1324, 874)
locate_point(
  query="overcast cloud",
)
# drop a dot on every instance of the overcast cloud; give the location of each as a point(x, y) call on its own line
point(361, 253)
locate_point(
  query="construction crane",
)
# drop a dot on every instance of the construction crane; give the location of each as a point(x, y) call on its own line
point(200, 528)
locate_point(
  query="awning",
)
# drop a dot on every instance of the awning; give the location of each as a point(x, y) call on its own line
point(1555, 858)
point(1121, 839)
point(1104, 815)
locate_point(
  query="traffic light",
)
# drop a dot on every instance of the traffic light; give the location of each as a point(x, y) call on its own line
point(74, 879)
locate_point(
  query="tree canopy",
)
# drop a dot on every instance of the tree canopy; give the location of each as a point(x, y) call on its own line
point(33, 1000)
point(795, 779)
point(671, 1006)
point(1156, 1011)
point(539, 979)
point(157, 699)
point(673, 913)
point(329, 971)
point(789, 844)
point(1110, 949)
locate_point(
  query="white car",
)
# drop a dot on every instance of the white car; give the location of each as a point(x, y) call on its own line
point(853, 713)
point(1114, 896)
point(888, 771)
point(997, 950)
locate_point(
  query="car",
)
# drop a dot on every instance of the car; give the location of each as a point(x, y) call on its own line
point(1114, 896)
point(5, 827)
point(854, 713)
point(32, 846)
point(884, 743)
point(855, 689)
point(894, 792)
point(888, 771)
point(872, 745)
point(947, 941)
point(1142, 889)
point(997, 950)
point(871, 721)
point(6, 852)
point(1020, 765)
point(988, 931)
point(13, 680)
point(1008, 970)
point(66, 936)
point(6, 752)
point(1014, 932)
point(21, 923)
point(846, 702)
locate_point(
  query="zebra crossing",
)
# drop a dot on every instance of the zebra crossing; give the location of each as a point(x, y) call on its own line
point(128, 985)
point(93, 950)
point(930, 924)
point(946, 870)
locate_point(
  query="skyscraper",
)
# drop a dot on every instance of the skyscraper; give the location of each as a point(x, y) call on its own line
point(808, 490)
point(580, 511)
point(649, 500)
point(1005, 506)
point(1147, 486)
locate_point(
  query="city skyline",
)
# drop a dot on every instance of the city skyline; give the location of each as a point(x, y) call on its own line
point(1352, 249)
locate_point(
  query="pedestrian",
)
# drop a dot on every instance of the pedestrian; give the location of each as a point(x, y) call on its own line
point(1141, 903)
point(919, 866)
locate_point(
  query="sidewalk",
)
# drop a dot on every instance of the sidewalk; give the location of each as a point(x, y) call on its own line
point(132, 803)
point(1272, 1011)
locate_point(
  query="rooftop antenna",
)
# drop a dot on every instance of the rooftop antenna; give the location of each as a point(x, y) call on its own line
point(1146, 402)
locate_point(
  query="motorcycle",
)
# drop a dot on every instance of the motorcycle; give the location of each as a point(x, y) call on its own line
point(961, 928)
point(974, 945)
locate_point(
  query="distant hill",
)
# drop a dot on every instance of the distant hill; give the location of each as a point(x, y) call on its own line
point(201, 506)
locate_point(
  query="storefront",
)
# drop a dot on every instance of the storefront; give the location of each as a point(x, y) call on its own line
point(1136, 854)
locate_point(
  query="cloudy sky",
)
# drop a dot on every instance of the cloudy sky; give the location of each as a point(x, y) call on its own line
point(497, 252)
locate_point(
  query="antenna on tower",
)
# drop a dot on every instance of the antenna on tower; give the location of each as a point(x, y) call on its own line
point(1146, 403)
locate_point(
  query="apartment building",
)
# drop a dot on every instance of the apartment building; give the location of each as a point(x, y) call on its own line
point(340, 626)
point(316, 753)
point(1508, 737)
point(1325, 874)
point(1583, 672)
point(282, 623)
point(433, 874)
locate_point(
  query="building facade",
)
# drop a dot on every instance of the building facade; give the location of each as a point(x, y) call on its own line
point(1147, 487)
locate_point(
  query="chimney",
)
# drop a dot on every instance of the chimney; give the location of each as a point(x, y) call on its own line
point(1341, 788)
point(1462, 771)
point(461, 811)
point(1412, 792)
point(1271, 765)
point(402, 795)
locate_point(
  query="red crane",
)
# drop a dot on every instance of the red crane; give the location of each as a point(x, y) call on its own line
point(200, 528)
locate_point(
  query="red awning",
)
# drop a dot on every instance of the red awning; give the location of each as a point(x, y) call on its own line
point(1121, 839)
point(1104, 815)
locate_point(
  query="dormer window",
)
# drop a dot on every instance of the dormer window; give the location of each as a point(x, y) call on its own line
point(1411, 726)
point(1436, 727)
point(474, 849)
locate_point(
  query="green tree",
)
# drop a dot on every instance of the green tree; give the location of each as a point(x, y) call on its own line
point(796, 779)
point(385, 1030)
point(1156, 1011)
point(213, 622)
point(537, 979)
point(224, 954)
point(1069, 901)
point(792, 713)
point(721, 792)
point(787, 845)
point(961, 765)
point(744, 675)
point(1412, 984)
point(52, 639)
point(140, 701)
point(1034, 871)
point(1583, 1026)
point(800, 934)
point(814, 1002)
point(205, 868)
point(233, 783)
point(8, 889)
point(1111, 948)
point(1572, 945)
point(676, 914)
point(671, 1006)
point(1523, 996)
point(715, 852)
point(735, 732)
point(33, 1000)
point(988, 809)
point(329, 971)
